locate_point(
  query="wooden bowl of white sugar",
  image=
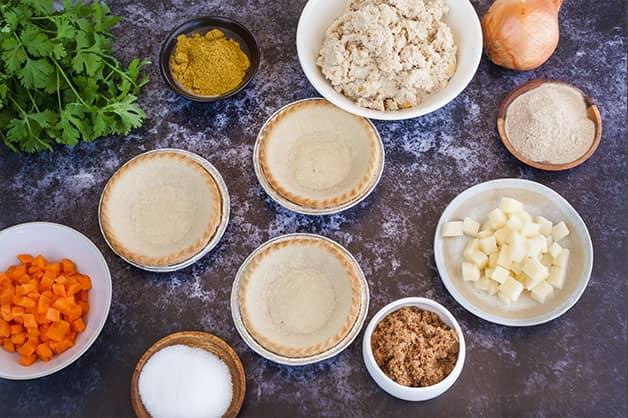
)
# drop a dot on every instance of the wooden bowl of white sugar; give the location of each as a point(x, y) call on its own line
point(188, 373)
point(549, 124)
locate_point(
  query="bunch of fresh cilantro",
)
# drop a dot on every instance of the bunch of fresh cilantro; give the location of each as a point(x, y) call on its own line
point(59, 82)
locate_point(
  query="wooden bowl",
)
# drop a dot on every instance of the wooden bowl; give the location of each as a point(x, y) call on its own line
point(207, 342)
point(592, 113)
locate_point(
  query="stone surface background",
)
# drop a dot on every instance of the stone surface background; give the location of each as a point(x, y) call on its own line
point(573, 366)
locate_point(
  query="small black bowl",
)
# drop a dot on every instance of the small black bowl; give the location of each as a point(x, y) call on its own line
point(232, 30)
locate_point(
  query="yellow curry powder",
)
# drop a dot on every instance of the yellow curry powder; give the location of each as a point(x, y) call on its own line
point(209, 65)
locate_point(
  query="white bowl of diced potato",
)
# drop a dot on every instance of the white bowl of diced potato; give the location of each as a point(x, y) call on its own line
point(513, 252)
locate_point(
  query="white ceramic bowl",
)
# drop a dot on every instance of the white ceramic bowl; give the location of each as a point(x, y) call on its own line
point(318, 15)
point(55, 242)
point(405, 392)
point(476, 202)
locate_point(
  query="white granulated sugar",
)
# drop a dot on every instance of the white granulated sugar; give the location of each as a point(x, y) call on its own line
point(187, 382)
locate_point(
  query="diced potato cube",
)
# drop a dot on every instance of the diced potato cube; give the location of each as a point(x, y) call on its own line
point(453, 229)
point(493, 287)
point(555, 250)
point(550, 240)
point(503, 259)
point(560, 231)
point(484, 234)
point(547, 260)
point(562, 259)
point(511, 289)
point(557, 276)
point(541, 292)
point(518, 248)
point(535, 270)
point(514, 223)
point(482, 284)
point(503, 236)
point(536, 246)
point(492, 259)
point(497, 218)
point(470, 272)
point(488, 245)
point(471, 248)
point(516, 268)
point(510, 205)
point(500, 274)
point(529, 282)
point(486, 226)
point(546, 225)
point(530, 229)
point(470, 227)
point(479, 259)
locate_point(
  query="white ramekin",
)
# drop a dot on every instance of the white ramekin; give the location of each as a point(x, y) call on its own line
point(405, 392)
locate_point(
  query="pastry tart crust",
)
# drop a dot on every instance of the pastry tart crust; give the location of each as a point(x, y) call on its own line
point(160, 209)
point(317, 155)
point(315, 330)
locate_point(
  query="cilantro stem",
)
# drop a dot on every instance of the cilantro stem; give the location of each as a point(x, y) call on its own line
point(67, 80)
point(58, 92)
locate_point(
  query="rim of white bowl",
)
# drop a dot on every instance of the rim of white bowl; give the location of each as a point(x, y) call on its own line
point(497, 319)
point(326, 90)
point(440, 387)
point(100, 324)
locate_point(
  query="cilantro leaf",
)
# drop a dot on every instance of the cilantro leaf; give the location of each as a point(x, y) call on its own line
point(13, 55)
point(36, 42)
point(36, 73)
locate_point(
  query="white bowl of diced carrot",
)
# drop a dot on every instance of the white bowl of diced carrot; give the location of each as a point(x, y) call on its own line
point(55, 294)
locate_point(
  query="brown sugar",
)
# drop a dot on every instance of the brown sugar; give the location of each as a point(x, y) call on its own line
point(414, 347)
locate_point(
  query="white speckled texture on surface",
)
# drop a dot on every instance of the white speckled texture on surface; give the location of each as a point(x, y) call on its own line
point(574, 366)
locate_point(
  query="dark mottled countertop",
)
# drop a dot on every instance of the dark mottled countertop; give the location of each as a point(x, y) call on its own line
point(573, 366)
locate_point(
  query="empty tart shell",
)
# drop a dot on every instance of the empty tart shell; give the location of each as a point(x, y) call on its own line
point(160, 208)
point(317, 155)
point(299, 297)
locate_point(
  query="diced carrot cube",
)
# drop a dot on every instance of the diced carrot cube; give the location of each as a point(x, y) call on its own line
point(61, 280)
point(52, 270)
point(27, 288)
point(17, 312)
point(44, 352)
point(8, 345)
point(48, 294)
point(16, 328)
point(19, 338)
point(84, 307)
point(45, 283)
point(33, 269)
point(5, 328)
point(53, 315)
point(60, 346)
point(78, 325)
point(43, 330)
point(58, 289)
point(26, 302)
point(83, 296)
point(75, 313)
point(73, 289)
point(40, 261)
point(5, 312)
point(43, 304)
point(29, 321)
point(27, 349)
point(33, 332)
point(15, 272)
point(58, 330)
point(27, 361)
point(6, 298)
point(67, 266)
point(25, 258)
point(85, 281)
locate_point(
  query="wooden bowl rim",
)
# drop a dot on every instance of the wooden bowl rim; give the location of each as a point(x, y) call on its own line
point(174, 339)
point(593, 114)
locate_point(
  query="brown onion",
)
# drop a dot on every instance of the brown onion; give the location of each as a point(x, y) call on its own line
point(521, 34)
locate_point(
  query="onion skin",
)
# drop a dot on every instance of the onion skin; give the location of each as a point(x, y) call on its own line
point(521, 34)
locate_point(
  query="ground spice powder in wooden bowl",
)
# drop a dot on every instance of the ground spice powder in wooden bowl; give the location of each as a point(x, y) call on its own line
point(210, 64)
point(414, 347)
